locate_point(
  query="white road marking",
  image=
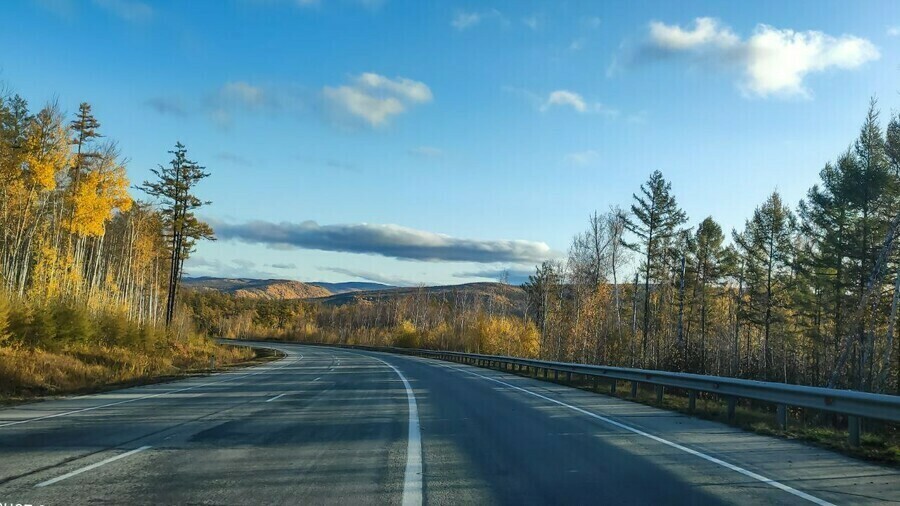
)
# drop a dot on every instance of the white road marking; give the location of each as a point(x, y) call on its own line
point(709, 458)
point(126, 401)
point(317, 379)
point(279, 396)
point(412, 477)
point(92, 466)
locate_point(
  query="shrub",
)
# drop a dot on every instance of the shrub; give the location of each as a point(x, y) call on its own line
point(72, 324)
point(406, 335)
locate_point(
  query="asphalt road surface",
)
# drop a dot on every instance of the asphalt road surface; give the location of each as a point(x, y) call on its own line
point(334, 426)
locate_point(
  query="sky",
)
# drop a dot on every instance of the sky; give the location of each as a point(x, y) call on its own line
point(413, 142)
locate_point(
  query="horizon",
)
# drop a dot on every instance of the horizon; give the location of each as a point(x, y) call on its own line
point(327, 154)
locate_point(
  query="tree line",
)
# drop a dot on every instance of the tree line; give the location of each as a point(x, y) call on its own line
point(804, 295)
point(73, 241)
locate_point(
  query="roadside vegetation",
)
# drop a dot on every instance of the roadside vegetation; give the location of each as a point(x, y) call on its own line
point(88, 276)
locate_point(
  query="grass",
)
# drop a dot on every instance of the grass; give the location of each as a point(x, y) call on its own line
point(879, 442)
point(28, 373)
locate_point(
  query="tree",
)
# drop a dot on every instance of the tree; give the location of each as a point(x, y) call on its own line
point(709, 256)
point(767, 245)
point(174, 187)
point(84, 126)
point(656, 218)
point(542, 288)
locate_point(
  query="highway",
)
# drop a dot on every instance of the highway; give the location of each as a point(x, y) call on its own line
point(335, 426)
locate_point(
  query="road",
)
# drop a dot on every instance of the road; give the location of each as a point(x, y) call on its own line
point(335, 426)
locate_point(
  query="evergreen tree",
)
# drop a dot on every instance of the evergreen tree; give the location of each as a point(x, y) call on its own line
point(708, 254)
point(767, 245)
point(84, 128)
point(174, 186)
point(655, 221)
point(541, 289)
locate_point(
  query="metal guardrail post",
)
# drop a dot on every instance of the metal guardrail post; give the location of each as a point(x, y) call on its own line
point(732, 403)
point(634, 389)
point(612, 387)
point(555, 375)
point(781, 416)
point(568, 376)
point(659, 394)
point(853, 430)
point(692, 400)
point(594, 385)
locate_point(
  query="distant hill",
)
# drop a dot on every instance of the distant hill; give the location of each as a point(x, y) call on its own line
point(337, 288)
point(497, 295)
point(268, 289)
point(501, 296)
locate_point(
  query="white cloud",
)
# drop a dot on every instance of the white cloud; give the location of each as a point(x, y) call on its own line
point(427, 152)
point(583, 158)
point(773, 61)
point(566, 98)
point(577, 44)
point(413, 91)
point(375, 99)
point(532, 22)
point(707, 31)
point(386, 240)
point(779, 60)
point(464, 20)
point(893, 31)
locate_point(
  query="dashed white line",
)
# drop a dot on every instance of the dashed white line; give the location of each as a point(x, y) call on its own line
point(92, 466)
point(279, 396)
point(708, 458)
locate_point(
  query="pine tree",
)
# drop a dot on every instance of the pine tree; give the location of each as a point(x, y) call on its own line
point(767, 245)
point(84, 126)
point(656, 218)
point(174, 187)
point(708, 254)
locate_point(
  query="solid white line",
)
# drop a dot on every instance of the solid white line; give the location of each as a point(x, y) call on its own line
point(709, 458)
point(412, 477)
point(279, 396)
point(126, 401)
point(92, 466)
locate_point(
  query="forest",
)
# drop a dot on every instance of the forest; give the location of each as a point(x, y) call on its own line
point(87, 271)
point(804, 293)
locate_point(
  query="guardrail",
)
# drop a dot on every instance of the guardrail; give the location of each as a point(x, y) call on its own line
point(856, 405)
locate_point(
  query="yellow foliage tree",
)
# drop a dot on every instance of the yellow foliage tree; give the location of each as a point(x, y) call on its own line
point(98, 195)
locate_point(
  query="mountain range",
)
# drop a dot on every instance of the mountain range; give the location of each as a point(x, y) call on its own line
point(498, 295)
point(278, 289)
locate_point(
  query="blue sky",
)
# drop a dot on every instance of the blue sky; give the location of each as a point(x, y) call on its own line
point(438, 142)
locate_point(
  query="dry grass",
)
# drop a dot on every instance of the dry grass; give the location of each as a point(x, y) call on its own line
point(28, 372)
